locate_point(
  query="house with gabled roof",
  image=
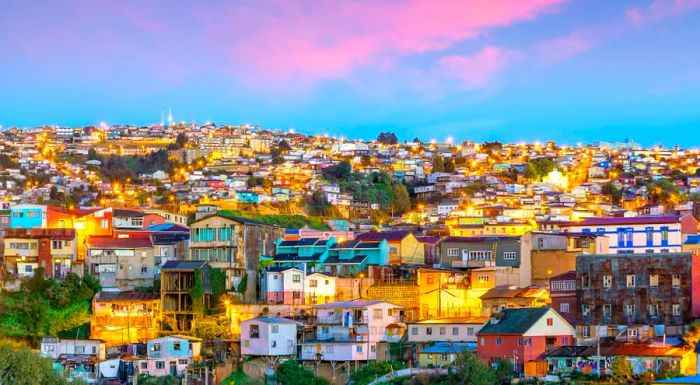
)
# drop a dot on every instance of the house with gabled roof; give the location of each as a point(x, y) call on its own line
point(404, 248)
point(353, 256)
point(523, 335)
point(305, 253)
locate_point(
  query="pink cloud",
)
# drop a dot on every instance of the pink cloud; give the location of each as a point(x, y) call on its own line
point(479, 69)
point(561, 49)
point(660, 9)
point(326, 40)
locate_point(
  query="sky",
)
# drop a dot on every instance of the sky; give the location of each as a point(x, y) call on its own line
point(510, 70)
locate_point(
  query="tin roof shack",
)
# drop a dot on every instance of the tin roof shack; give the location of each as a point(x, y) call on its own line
point(637, 296)
point(77, 358)
point(123, 317)
point(181, 302)
point(655, 356)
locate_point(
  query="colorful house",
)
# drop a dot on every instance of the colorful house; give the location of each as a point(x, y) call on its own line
point(269, 337)
point(305, 253)
point(523, 335)
point(125, 263)
point(350, 257)
point(441, 354)
point(404, 248)
point(170, 355)
point(31, 216)
point(27, 249)
point(283, 285)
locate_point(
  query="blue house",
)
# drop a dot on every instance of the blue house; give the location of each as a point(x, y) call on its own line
point(28, 216)
point(353, 256)
point(170, 355)
point(305, 253)
point(246, 196)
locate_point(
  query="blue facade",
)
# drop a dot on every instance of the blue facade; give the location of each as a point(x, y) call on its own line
point(169, 347)
point(27, 217)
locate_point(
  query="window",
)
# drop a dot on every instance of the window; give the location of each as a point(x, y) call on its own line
point(27, 268)
point(482, 255)
point(586, 331)
point(632, 332)
point(254, 331)
point(156, 347)
point(676, 280)
point(452, 252)
point(585, 310)
point(565, 341)
point(49, 348)
point(104, 224)
point(564, 307)
point(273, 344)
point(482, 341)
point(676, 308)
point(56, 245)
point(654, 280)
point(79, 349)
point(631, 310)
point(275, 329)
point(442, 331)
point(358, 348)
point(275, 276)
point(509, 255)
point(296, 278)
point(430, 280)
point(429, 331)
point(631, 280)
point(144, 269)
point(569, 285)
point(160, 364)
point(470, 331)
point(650, 235)
point(372, 348)
point(414, 331)
point(177, 345)
point(377, 314)
point(455, 331)
point(653, 309)
point(313, 283)
point(393, 250)
point(607, 310)
point(498, 341)
point(329, 349)
point(586, 281)
point(144, 365)
point(550, 321)
point(607, 280)
point(182, 361)
point(296, 295)
point(664, 236)
point(483, 278)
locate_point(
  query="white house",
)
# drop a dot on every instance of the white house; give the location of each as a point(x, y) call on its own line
point(350, 330)
point(54, 347)
point(266, 336)
point(444, 208)
point(170, 355)
point(283, 285)
point(455, 329)
point(319, 288)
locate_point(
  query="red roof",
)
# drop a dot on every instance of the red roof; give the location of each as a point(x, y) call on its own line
point(641, 220)
point(119, 243)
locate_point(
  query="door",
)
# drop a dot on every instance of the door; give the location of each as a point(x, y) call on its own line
point(173, 368)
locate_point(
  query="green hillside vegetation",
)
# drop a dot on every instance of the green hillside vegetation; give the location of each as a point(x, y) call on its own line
point(290, 221)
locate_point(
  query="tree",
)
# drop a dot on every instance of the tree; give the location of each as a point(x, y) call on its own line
point(340, 171)
point(402, 201)
point(291, 372)
point(471, 370)
point(21, 366)
point(610, 190)
point(692, 336)
point(449, 165)
point(438, 164)
point(388, 138)
point(621, 369)
point(504, 370)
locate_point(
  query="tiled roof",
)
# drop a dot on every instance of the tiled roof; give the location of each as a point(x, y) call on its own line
point(514, 321)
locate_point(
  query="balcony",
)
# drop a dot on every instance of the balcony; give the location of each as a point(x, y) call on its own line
point(337, 320)
point(471, 263)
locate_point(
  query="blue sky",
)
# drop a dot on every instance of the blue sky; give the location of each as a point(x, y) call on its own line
point(505, 70)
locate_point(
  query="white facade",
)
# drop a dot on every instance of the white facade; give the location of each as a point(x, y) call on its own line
point(54, 347)
point(266, 336)
point(319, 288)
point(350, 330)
point(454, 330)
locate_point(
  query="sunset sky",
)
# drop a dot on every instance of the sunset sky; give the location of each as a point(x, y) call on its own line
point(577, 70)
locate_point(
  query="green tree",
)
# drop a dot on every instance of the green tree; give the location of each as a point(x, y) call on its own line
point(692, 336)
point(449, 165)
point(621, 369)
point(387, 138)
point(438, 164)
point(611, 191)
point(471, 370)
point(21, 366)
point(402, 201)
point(504, 370)
point(291, 372)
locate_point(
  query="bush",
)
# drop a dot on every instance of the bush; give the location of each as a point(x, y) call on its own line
point(370, 372)
point(291, 372)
